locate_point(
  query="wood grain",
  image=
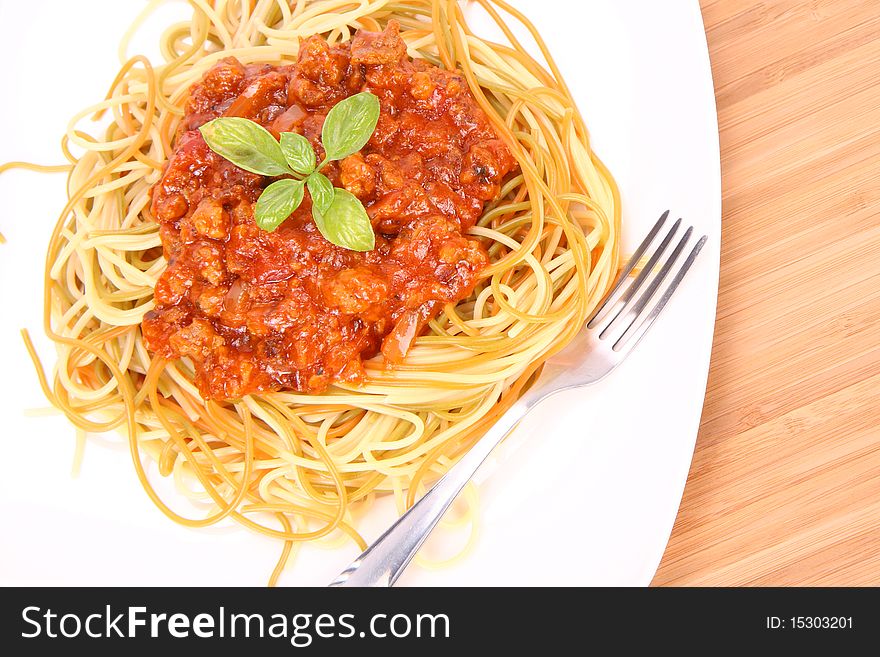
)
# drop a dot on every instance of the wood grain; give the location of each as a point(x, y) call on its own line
point(784, 488)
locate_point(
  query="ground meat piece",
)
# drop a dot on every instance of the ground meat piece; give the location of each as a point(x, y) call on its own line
point(259, 94)
point(356, 291)
point(210, 219)
point(357, 176)
point(198, 339)
point(371, 48)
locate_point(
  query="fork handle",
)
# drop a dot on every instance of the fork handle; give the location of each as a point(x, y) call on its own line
point(384, 561)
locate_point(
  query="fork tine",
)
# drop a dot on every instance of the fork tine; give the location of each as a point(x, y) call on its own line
point(633, 261)
point(645, 297)
point(647, 271)
point(642, 327)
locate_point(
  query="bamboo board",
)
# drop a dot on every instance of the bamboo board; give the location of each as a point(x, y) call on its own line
point(784, 488)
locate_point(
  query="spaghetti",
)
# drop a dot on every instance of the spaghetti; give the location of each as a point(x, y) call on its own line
point(296, 466)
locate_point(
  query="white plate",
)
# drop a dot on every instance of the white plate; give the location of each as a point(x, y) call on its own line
point(586, 491)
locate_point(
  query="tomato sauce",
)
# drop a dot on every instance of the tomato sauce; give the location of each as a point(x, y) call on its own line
point(257, 311)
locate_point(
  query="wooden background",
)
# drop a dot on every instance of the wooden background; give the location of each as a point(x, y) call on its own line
point(785, 484)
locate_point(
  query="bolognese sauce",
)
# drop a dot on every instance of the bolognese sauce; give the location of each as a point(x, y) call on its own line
point(259, 311)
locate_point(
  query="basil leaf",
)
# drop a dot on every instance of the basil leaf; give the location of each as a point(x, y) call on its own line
point(346, 223)
point(298, 152)
point(277, 203)
point(321, 190)
point(246, 144)
point(349, 125)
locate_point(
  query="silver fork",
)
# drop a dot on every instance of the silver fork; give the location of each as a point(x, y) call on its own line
point(610, 335)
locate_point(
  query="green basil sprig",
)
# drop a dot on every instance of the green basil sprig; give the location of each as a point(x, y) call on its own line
point(349, 125)
point(338, 214)
point(345, 221)
point(321, 190)
point(277, 203)
point(298, 152)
